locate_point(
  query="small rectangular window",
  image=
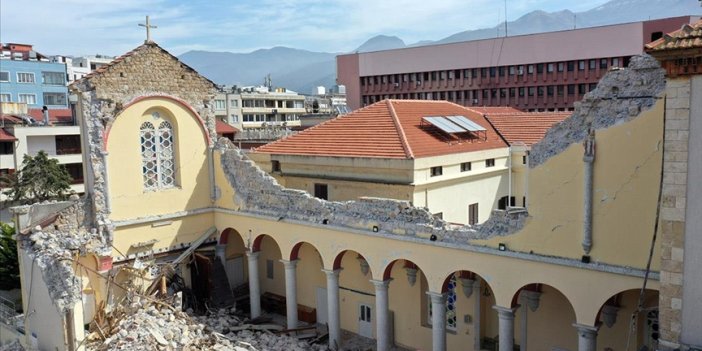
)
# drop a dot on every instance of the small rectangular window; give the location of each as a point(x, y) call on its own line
point(561, 66)
point(603, 63)
point(4, 76)
point(581, 65)
point(571, 89)
point(549, 68)
point(269, 269)
point(473, 214)
point(29, 99)
point(571, 66)
point(436, 171)
point(532, 91)
point(530, 69)
point(524, 159)
point(490, 162)
point(465, 166)
point(23, 77)
point(55, 99)
point(275, 166)
point(593, 65)
point(540, 68)
point(5, 97)
point(321, 191)
point(615, 62)
point(53, 78)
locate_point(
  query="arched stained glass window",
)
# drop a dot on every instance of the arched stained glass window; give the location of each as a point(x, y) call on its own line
point(157, 155)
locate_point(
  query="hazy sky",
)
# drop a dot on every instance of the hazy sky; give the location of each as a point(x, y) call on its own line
point(81, 27)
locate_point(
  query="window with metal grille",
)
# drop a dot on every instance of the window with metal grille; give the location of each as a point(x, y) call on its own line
point(25, 77)
point(157, 155)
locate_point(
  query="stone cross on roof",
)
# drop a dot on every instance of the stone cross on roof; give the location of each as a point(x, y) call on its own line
point(148, 29)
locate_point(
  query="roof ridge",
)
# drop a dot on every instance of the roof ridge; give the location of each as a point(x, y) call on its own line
point(401, 131)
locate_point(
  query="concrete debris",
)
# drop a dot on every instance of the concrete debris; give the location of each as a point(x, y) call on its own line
point(12, 346)
point(53, 248)
point(225, 322)
point(259, 193)
point(619, 97)
point(144, 325)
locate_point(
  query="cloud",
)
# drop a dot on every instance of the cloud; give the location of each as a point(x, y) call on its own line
point(110, 26)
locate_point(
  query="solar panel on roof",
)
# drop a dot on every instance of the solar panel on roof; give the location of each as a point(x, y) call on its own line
point(444, 125)
point(466, 123)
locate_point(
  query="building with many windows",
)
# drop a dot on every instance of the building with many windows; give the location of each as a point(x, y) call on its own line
point(29, 77)
point(572, 271)
point(261, 106)
point(79, 67)
point(536, 72)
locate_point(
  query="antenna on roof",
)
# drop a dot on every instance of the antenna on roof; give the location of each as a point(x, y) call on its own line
point(506, 17)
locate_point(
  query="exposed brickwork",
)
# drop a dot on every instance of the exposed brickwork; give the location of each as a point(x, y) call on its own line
point(147, 70)
point(672, 216)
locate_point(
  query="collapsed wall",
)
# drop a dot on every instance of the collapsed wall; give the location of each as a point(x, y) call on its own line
point(259, 193)
point(620, 96)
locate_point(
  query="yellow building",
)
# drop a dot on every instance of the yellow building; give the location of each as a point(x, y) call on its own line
point(433, 154)
point(565, 275)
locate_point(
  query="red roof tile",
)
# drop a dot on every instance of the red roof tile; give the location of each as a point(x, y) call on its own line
point(63, 115)
point(525, 127)
point(6, 136)
point(388, 129)
point(225, 128)
point(687, 37)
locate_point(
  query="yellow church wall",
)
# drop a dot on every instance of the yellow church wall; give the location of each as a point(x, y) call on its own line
point(128, 197)
point(167, 233)
point(270, 252)
point(309, 276)
point(628, 157)
point(406, 303)
point(355, 288)
point(506, 275)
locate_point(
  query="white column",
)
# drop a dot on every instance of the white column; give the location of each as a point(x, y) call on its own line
point(221, 253)
point(438, 320)
point(476, 314)
point(254, 285)
point(382, 314)
point(291, 292)
point(334, 320)
point(587, 337)
point(506, 327)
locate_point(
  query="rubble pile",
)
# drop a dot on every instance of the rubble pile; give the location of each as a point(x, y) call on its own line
point(261, 337)
point(150, 325)
point(13, 346)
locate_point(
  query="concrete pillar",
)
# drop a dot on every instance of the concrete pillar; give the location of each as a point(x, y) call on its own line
point(254, 284)
point(588, 159)
point(476, 314)
point(382, 314)
point(291, 292)
point(438, 320)
point(587, 337)
point(221, 253)
point(506, 327)
point(333, 320)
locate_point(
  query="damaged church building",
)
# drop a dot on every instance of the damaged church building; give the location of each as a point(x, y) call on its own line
point(170, 209)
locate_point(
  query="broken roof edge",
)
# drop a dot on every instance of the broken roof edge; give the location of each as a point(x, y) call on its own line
point(392, 217)
point(620, 96)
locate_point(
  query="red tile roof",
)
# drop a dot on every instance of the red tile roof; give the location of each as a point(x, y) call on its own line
point(56, 116)
point(6, 136)
point(388, 129)
point(224, 128)
point(525, 127)
point(687, 37)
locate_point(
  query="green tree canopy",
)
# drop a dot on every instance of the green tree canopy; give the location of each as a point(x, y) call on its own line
point(40, 178)
point(9, 266)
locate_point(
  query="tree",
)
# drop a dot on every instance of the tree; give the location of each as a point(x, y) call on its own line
point(9, 265)
point(40, 178)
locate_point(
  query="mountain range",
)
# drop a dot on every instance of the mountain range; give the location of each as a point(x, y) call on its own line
point(302, 70)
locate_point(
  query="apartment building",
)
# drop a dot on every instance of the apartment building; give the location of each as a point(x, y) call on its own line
point(536, 72)
point(29, 77)
point(79, 67)
point(259, 106)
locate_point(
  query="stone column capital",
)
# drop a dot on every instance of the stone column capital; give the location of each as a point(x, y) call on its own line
point(252, 255)
point(381, 284)
point(587, 331)
point(332, 272)
point(505, 312)
point(437, 297)
point(289, 264)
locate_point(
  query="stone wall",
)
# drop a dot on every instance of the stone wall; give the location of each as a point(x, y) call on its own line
point(146, 71)
point(672, 211)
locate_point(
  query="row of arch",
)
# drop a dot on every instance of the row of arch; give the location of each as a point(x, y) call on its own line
point(255, 244)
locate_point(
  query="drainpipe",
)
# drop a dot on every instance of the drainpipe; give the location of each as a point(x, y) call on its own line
point(509, 180)
point(526, 180)
point(588, 159)
point(69, 328)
